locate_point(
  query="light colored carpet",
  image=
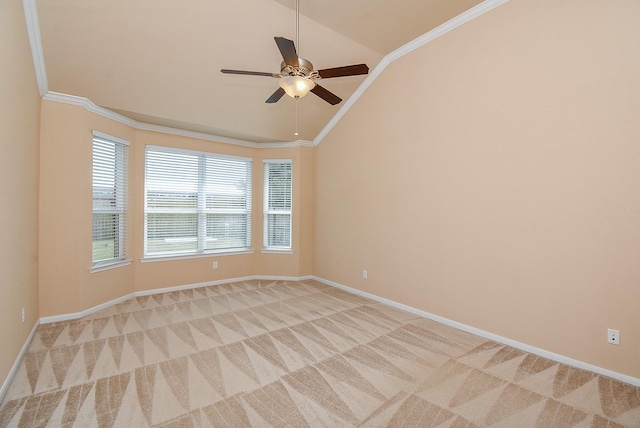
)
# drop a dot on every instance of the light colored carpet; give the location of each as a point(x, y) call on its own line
point(297, 354)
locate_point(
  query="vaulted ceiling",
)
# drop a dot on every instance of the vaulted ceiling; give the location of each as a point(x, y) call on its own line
point(159, 61)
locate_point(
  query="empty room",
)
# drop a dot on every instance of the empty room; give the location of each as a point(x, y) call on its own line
point(320, 213)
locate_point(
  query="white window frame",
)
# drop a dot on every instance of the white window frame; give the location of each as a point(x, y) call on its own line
point(200, 210)
point(268, 245)
point(100, 167)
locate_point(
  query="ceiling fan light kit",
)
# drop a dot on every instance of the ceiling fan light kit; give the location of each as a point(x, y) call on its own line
point(297, 86)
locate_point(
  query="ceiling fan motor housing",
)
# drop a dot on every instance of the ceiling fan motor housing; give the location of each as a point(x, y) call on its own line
point(303, 69)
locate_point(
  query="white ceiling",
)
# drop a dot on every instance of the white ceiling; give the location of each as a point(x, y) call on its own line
point(159, 61)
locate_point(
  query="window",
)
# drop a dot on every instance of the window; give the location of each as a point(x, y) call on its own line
point(109, 199)
point(196, 203)
point(277, 205)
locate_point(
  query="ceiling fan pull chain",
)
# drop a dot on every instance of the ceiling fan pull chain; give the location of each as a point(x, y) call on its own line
point(296, 133)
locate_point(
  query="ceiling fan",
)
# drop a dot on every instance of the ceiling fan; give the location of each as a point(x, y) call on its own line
point(297, 76)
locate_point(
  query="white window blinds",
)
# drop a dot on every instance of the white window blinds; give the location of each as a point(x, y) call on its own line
point(277, 204)
point(196, 202)
point(109, 199)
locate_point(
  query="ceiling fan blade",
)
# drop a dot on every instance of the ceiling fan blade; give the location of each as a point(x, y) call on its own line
point(288, 51)
point(275, 96)
point(348, 70)
point(326, 95)
point(249, 73)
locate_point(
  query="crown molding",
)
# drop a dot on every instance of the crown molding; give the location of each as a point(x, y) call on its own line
point(296, 143)
point(216, 138)
point(455, 22)
point(90, 106)
point(441, 30)
point(35, 41)
point(33, 30)
point(197, 135)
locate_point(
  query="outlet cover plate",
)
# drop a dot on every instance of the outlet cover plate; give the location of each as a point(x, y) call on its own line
point(613, 336)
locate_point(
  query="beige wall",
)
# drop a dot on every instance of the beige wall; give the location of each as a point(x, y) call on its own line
point(492, 177)
point(66, 284)
point(19, 117)
point(500, 189)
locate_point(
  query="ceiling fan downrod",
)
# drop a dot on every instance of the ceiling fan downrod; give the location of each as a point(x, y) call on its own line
point(298, 25)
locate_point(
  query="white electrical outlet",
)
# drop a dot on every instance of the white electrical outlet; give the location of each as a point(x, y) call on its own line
point(364, 274)
point(613, 336)
point(215, 265)
point(23, 314)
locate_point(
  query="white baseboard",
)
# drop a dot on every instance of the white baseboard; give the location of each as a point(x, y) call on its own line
point(488, 335)
point(464, 327)
point(16, 364)
point(76, 315)
point(84, 313)
point(190, 286)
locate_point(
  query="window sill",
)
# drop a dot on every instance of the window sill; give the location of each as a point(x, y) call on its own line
point(276, 251)
point(109, 266)
point(151, 259)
